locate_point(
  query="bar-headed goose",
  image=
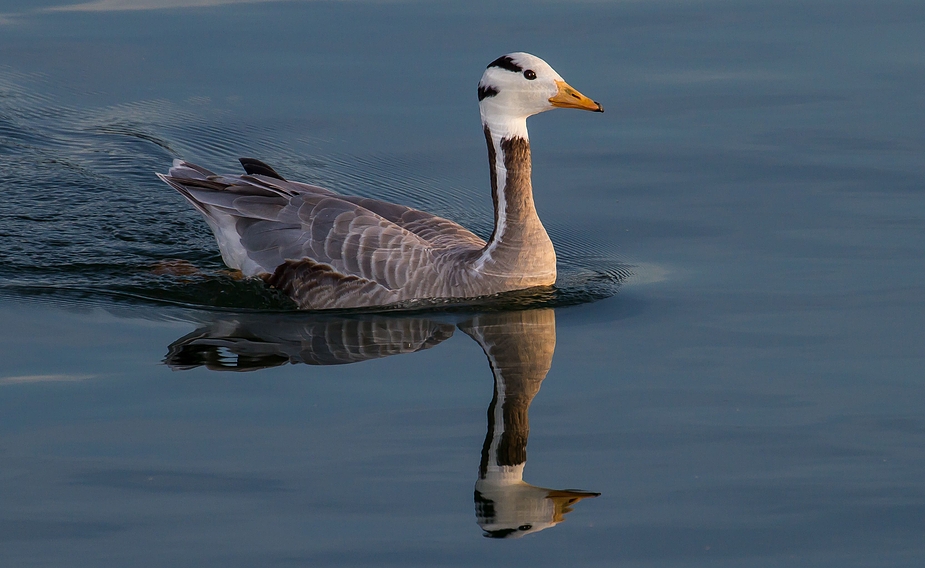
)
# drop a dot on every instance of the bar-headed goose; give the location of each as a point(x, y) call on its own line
point(333, 251)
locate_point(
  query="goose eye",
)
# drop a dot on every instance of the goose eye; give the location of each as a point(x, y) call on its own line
point(530, 74)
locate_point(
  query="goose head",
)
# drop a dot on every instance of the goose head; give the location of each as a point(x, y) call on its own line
point(518, 85)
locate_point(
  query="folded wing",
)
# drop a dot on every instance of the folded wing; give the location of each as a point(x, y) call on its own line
point(280, 230)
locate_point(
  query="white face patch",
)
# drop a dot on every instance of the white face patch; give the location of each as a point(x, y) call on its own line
point(516, 86)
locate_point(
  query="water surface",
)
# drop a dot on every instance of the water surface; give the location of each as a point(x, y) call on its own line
point(732, 360)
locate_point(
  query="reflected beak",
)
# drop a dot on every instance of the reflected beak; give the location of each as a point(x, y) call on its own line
point(565, 498)
point(567, 97)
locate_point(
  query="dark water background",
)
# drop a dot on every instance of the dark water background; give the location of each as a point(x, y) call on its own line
point(751, 205)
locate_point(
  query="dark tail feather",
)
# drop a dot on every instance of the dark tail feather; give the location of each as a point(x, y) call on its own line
point(254, 166)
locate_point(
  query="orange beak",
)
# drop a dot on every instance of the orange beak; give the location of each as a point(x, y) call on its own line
point(567, 97)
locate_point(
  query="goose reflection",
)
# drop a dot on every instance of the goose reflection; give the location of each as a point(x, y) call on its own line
point(519, 346)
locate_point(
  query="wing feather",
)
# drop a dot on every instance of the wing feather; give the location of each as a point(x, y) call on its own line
point(438, 231)
point(276, 221)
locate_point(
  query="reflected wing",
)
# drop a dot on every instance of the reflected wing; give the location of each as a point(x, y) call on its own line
point(245, 343)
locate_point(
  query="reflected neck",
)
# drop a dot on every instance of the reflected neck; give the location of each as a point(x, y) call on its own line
point(519, 347)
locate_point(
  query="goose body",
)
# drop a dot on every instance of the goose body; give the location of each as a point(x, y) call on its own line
point(327, 250)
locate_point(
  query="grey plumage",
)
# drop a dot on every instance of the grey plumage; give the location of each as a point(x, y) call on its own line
point(327, 250)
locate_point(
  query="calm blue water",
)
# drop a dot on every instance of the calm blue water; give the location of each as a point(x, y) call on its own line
point(733, 359)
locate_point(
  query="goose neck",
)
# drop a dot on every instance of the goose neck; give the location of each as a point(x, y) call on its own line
point(519, 247)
